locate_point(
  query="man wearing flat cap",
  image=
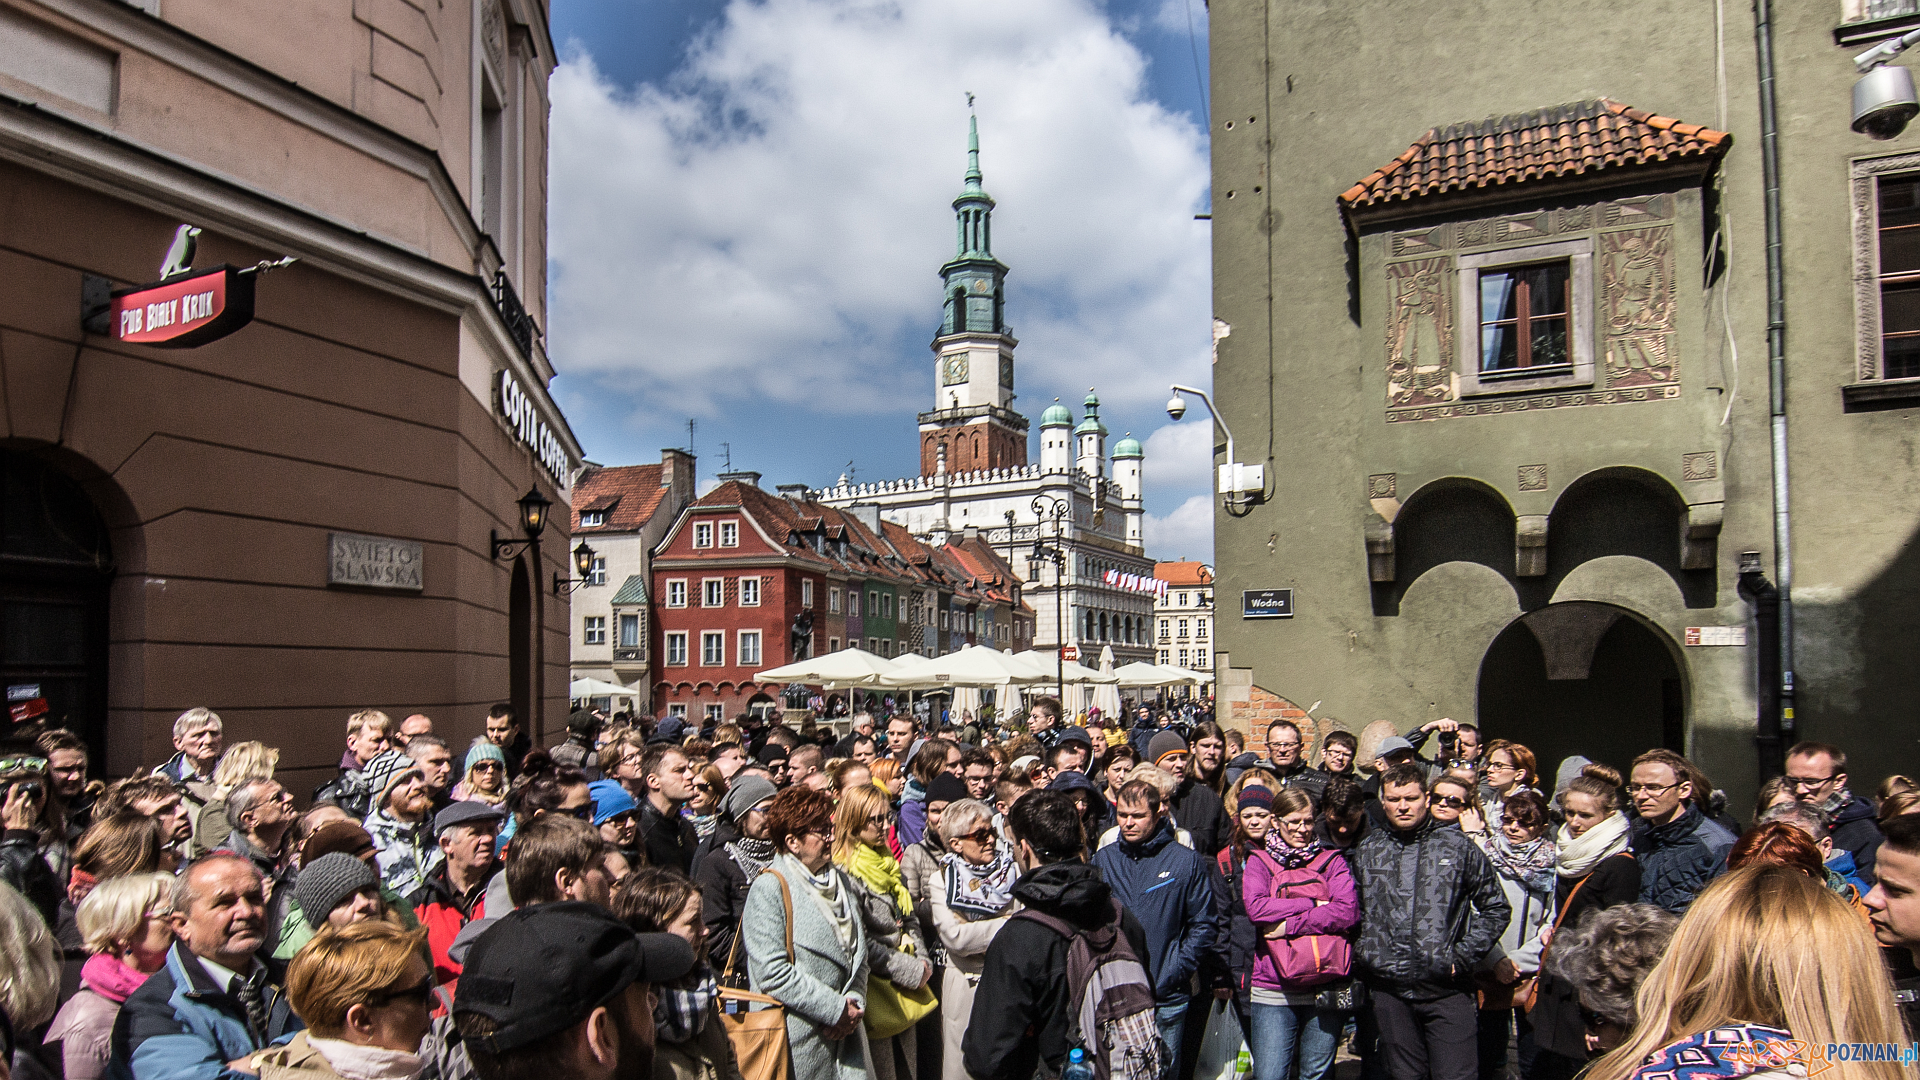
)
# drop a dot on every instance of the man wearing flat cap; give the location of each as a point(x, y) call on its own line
point(564, 989)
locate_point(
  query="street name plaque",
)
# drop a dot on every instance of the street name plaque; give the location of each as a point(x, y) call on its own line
point(375, 562)
point(1266, 604)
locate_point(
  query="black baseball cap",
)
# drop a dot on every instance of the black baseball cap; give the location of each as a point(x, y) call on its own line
point(1077, 734)
point(542, 969)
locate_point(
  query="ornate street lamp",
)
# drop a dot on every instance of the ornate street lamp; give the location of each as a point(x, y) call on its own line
point(1047, 507)
point(583, 563)
point(533, 521)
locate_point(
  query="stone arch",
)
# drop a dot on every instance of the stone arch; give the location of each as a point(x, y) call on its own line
point(1454, 519)
point(1629, 511)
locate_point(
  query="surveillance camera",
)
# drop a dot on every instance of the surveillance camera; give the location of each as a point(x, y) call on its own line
point(1883, 102)
point(1176, 406)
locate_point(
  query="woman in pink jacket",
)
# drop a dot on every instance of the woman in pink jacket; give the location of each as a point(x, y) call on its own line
point(1301, 899)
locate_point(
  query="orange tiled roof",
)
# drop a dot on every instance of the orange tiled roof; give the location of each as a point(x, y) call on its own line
point(1562, 142)
point(1184, 573)
point(628, 493)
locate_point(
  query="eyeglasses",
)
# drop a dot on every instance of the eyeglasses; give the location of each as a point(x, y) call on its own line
point(1453, 802)
point(1651, 789)
point(420, 994)
point(702, 785)
point(983, 835)
point(584, 813)
point(486, 766)
point(1795, 782)
point(1492, 765)
point(819, 830)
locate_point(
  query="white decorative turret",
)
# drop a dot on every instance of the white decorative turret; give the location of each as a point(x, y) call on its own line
point(1091, 453)
point(1127, 459)
point(1056, 438)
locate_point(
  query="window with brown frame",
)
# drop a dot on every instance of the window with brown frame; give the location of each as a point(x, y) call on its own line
point(1523, 317)
point(1899, 228)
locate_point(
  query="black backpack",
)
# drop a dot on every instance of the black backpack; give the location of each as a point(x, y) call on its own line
point(1111, 996)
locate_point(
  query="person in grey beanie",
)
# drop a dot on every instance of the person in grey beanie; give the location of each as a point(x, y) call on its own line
point(338, 889)
point(729, 860)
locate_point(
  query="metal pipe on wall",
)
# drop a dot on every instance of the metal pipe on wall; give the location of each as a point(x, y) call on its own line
point(1777, 379)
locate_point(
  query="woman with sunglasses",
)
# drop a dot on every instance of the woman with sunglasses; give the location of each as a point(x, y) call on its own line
point(366, 993)
point(971, 900)
point(1524, 855)
point(1453, 801)
point(709, 787)
point(896, 947)
point(484, 777)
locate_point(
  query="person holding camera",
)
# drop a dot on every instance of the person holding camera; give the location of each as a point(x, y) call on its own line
point(23, 810)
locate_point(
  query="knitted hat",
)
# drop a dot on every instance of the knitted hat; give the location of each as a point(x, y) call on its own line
point(583, 721)
point(947, 788)
point(327, 882)
point(341, 836)
point(482, 750)
point(1167, 742)
point(1255, 796)
point(610, 800)
point(385, 771)
point(745, 793)
point(772, 752)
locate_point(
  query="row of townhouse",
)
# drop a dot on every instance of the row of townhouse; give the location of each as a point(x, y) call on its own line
point(746, 580)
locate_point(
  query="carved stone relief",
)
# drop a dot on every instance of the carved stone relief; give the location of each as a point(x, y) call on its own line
point(1420, 328)
point(1381, 485)
point(1704, 465)
point(1637, 281)
point(1533, 478)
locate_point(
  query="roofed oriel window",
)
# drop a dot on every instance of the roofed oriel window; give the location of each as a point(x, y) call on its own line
point(1523, 316)
point(1900, 277)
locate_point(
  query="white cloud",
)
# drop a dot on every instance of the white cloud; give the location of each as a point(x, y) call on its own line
point(765, 227)
point(1187, 533)
point(1180, 455)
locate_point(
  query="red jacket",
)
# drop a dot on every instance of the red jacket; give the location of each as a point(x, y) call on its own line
point(444, 915)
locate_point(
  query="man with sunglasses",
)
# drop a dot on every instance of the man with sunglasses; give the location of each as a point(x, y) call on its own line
point(1679, 848)
point(1817, 774)
point(400, 824)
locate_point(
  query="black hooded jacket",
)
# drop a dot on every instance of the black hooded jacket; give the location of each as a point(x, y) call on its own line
point(1020, 1011)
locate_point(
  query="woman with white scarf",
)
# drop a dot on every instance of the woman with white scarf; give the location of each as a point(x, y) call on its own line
point(1524, 855)
point(1595, 869)
point(971, 899)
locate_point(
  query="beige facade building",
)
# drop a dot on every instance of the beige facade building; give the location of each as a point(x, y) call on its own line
point(295, 520)
point(623, 512)
point(1183, 615)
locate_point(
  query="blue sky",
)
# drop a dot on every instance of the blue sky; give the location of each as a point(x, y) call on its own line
point(750, 200)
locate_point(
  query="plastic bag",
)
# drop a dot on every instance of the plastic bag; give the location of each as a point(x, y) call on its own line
point(1223, 1050)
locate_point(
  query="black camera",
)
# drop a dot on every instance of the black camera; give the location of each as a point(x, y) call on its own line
point(33, 789)
point(1449, 743)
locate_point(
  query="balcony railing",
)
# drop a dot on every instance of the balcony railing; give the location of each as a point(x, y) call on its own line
point(630, 655)
point(519, 324)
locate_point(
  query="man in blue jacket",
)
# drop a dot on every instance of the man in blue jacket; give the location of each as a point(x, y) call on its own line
point(1680, 849)
point(1168, 887)
point(214, 1005)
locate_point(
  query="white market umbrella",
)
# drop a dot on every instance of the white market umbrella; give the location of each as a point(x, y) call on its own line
point(1071, 671)
point(1138, 675)
point(974, 665)
point(966, 699)
point(1106, 696)
point(834, 670)
point(583, 688)
point(1182, 675)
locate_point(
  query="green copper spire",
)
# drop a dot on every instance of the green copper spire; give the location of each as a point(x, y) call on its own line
point(973, 155)
point(976, 298)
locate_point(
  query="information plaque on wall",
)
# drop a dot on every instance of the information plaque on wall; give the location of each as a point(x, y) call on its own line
point(375, 562)
point(1266, 604)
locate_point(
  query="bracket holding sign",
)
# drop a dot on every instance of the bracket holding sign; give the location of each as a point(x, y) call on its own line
point(186, 308)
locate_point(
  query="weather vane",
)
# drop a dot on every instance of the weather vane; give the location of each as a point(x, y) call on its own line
point(969, 99)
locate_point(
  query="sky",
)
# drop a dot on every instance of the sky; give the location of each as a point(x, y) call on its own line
point(749, 202)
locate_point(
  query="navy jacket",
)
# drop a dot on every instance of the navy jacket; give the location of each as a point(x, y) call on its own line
point(179, 1025)
point(1168, 887)
point(1679, 858)
point(1856, 829)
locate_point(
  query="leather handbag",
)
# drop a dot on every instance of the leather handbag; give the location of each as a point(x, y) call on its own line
point(756, 1024)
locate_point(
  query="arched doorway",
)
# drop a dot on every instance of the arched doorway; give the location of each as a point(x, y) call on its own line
point(1583, 678)
point(520, 645)
point(56, 561)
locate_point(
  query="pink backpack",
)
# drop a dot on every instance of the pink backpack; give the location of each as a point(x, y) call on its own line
point(1308, 959)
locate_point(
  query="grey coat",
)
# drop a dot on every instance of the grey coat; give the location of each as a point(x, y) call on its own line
point(815, 985)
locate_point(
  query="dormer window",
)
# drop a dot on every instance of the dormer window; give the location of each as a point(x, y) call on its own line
point(592, 519)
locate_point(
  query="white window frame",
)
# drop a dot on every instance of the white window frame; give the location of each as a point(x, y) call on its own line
point(748, 658)
point(676, 637)
point(678, 708)
point(593, 630)
point(592, 519)
point(676, 592)
point(708, 637)
point(707, 587)
point(749, 585)
point(703, 534)
point(853, 602)
point(730, 534)
point(833, 601)
point(597, 573)
point(639, 629)
point(1200, 629)
point(806, 593)
point(1580, 317)
point(833, 644)
point(717, 712)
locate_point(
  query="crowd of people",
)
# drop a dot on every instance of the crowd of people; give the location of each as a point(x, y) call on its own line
point(1041, 896)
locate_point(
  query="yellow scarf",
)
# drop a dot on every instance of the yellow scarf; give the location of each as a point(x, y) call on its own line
point(880, 872)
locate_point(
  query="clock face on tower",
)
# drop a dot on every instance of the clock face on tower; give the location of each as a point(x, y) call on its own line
point(1006, 372)
point(953, 369)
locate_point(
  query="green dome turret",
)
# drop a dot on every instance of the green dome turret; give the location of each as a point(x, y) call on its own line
point(1092, 424)
point(1128, 447)
point(1057, 415)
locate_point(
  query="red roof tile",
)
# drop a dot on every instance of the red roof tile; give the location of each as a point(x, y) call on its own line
point(1184, 573)
point(1560, 143)
point(629, 493)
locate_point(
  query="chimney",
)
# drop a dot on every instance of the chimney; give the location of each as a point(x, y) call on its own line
point(796, 492)
point(745, 476)
point(867, 514)
point(676, 475)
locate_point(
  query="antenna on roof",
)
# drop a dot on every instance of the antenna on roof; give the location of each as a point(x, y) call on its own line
point(727, 450)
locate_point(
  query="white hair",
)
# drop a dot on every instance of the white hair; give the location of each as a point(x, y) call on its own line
point(196, 720)
point(110, 915)
point(964, 816)
point(29, 963)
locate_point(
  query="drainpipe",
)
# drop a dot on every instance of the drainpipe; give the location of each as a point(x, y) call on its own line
point(1776, 368)
point(1758, 591)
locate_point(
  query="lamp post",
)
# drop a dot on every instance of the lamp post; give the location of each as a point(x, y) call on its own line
point(582, 562)
point(533, 521)
point(1047, 507)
